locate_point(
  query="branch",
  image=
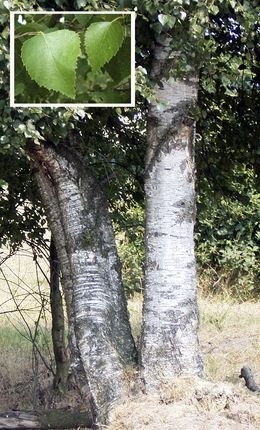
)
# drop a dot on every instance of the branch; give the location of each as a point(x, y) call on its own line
point(54, 419)
point(16, 310)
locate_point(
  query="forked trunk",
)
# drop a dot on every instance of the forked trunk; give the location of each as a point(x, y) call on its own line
point(170, 314)
point(79, 221)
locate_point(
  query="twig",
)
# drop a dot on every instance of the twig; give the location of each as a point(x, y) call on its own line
point(17, 310)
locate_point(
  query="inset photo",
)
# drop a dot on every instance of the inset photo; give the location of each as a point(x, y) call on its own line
point(72, 59)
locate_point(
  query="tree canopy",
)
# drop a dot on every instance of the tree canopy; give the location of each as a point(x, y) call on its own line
point(219, 40)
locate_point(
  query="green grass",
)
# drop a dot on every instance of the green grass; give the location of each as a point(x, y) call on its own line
point(10, 337)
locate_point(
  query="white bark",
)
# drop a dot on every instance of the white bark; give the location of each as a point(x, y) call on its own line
point(170, 315)
point(49, 198)
point(79, 220)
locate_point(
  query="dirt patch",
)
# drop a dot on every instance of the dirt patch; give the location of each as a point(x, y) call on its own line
point(190, 403)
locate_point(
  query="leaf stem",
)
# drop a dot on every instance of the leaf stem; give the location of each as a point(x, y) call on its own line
point(28, 34)
point(119, 17)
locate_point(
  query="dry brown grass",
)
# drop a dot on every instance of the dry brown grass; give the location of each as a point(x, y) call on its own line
point(16, 379)
point(21, 287)
point(20, 276)
point(189, 403)
point(135, 305)
point(229, 336)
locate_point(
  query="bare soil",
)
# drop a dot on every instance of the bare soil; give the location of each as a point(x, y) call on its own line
point(190, 403)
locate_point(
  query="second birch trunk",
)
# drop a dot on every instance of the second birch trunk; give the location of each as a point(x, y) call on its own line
point(170, 314)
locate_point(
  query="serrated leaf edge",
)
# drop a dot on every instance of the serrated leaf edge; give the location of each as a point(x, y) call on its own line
point(43, 86)
point(106, 62)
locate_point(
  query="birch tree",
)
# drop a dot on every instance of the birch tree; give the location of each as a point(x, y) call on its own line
point(100, 335)
point(172, 36)
point(170, 314)
point(183, 45)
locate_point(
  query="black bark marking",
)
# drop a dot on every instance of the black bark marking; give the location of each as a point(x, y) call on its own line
point(171, 138)
point(188, 213)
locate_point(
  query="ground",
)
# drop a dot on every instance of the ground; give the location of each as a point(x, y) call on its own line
point(190, 403)
point(229, 337)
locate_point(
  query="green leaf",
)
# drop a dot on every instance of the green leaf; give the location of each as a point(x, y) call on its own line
point(113, 96)
point(51, 60)
point(19, 88)
point(84, 18)
point(102, 42)
point(31, 27)
point(167, 20)
point(119, 67)
point(3, 183)
point(108, 17)
point(231, 93)
point(81, 3)
point(233, 3)
point(214, 9)
point(125, 3)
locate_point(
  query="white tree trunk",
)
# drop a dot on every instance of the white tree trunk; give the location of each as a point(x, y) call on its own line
point(79, 220)
point(170, 314)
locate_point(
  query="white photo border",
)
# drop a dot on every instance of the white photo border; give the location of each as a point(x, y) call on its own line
point(71, 105)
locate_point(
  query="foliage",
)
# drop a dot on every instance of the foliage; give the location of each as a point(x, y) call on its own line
point(130, 244)
point(228, 238)
point(103, 41)
point(20, 221)
point(105, 138)
point(221, 39)
point(227, 151)
point(41, 54)
point(85, 58)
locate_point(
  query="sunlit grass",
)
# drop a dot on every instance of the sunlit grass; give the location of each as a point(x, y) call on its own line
point(229, 332)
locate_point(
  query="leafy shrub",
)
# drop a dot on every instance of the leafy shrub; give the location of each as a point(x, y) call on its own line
point(228, 237)
point(131, 250)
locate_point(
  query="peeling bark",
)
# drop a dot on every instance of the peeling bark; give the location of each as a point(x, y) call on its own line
point(170, 314)
point(79, 221)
